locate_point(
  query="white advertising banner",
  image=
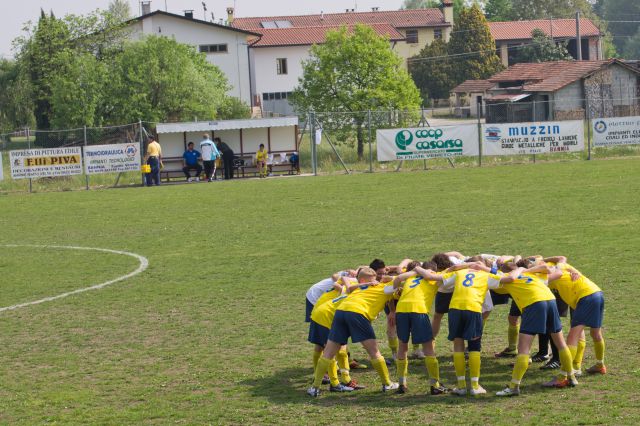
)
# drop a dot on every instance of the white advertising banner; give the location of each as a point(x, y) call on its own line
point(45, 162)
point(427, 142)
point(616, 131)
point(116, 158)
point(533, 138)
point(1, 170)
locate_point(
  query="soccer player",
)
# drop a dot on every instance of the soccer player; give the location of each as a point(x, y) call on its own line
point(321, 287)
point(353, 319)
point(443, 297)
point(465, 321)
point(412, 319)
point(382, 270)
point(587, 301)
point(527, 287)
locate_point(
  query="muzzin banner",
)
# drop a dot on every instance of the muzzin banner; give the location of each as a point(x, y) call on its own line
point(616, 131)
point(427, 142)
point(532, 138)
point(112, 158)
point(49, 162)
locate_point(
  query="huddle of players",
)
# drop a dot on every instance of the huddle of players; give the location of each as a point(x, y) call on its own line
point(344, 306)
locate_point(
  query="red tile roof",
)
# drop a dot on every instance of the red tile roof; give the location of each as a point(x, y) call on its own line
point(521, 30)
point(473, 86)
point(313, 35)
point(551, 76)
point(415, 18)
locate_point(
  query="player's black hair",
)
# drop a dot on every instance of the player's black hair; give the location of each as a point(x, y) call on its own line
point(430, 264)
point(377, 264)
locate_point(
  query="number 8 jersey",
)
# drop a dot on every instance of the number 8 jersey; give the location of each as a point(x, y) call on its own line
point(469, 288)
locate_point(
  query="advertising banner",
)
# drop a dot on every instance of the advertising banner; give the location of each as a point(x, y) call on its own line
point(616, 131)
point(45, 162)
point(532, 138)
point(427, 142)
point(116, 158)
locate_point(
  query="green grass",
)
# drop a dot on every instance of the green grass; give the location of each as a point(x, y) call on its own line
point(213, 331)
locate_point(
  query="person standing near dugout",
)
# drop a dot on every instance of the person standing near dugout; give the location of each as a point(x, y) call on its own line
point(210, 154)
point(227, 158)
point(153, 158)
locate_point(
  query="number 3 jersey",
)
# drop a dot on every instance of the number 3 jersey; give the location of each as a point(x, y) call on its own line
point(417, 295)
point(469, 288)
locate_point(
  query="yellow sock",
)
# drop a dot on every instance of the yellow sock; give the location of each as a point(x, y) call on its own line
point(566, 363)
point(316, 357)
point(381, 368)
point(577, 359)
point(512, 336)
point(393, 345)
point(598, 348)
point(402, 367)
point(474, 368)
point(343, 366)
point(460, 366)
point(573, 350)
point(522, 364)
point(333, 373)
point(321, 369)
point(434, 369)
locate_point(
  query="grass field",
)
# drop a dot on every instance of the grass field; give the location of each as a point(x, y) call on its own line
point(213, 331)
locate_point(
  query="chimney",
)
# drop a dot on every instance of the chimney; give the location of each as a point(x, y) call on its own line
point(230, 15)
point(188, 14)
point(375, 9)
point(322, 15)
point(146, 7)
point(447, 11)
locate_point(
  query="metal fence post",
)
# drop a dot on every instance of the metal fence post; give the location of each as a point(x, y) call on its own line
point(86, 176)
point(479, 102)
point(370, 149)
point(588, 117)
point(142, 153)
point(314, 153)
point(29, 146)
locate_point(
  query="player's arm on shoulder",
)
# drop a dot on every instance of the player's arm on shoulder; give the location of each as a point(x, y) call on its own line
point(402, 265)
point(556, 259)
point(350, 284)
point(545, 269)
point(511, 276)
point(399, 279)
point(478, 266)
point(428, 274)
point(455, 254)
point(457, 267)
point(554, 273)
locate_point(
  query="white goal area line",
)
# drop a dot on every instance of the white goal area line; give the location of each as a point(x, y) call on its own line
point(143, 264)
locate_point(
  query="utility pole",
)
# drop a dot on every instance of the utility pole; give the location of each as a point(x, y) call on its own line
point(578, 39)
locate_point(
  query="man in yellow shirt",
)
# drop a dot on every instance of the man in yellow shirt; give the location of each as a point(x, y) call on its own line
point(412, 319)
point(153, 158)
point(353, 320)
point(587, 301)
point(465, 320)
point(261, 161)
point(528, 289)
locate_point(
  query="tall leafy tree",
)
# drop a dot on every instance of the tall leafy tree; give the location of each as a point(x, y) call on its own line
point(544, 9)
point(542, 49)
point(498, 10)
point(431, 70)
point(632, 47)
point(420, 4)
point(120, 10)
point(352, 72)
point(472, 47)
point(16, 106)
point(623, 32)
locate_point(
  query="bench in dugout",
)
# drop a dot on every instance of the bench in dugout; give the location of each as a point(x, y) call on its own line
point(277, 163)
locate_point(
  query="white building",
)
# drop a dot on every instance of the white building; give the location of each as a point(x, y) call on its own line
point(225, 46)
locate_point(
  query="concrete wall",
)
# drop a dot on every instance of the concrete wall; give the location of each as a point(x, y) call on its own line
point(234, 63)
point(425, 37)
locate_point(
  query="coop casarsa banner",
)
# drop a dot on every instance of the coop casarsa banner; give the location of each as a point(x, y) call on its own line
point(533, 138)
point(427, 142)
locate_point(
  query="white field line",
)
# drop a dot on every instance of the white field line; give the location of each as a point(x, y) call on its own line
point(144, 263)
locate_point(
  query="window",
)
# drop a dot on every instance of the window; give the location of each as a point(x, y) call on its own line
point(265, 96)
point(437, 33)
point(213, 48)
point(412, 36)
point(281, 66)
point(278, 96)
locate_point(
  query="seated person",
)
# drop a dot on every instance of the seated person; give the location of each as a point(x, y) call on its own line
point(190, 162)
point(295, 160)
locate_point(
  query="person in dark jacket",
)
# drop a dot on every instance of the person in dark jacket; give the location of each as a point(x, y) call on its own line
point(227, 158)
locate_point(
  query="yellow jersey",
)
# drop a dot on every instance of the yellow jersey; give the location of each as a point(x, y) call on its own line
point(325, 308)
point(261, 156)
point(527, 289)
point(572, 291)
point(469, 288)
point(417, 295)
point(368, 300)
point(154, 150)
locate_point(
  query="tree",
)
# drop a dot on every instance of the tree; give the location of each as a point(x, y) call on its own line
point(472, 47)
point(543, 49)
point(421, 4)
point(158, 79)
point(431, 70)
point(16, 107)
point(545, 9)
point(498, 10)
point(632, 47)
point(120, 10)
point(623, 32)
point(354, 71)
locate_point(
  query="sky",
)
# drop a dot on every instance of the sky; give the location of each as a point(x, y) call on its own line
point(13, 18)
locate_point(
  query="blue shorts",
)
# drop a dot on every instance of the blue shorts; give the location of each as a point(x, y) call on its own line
point(350, 324)
point(499, 299)
point(416, 325)
point(318, 334)
point(307, 317)
point(541, 318)
point(466, 325)
point(563, 308)
point(589, 311)
point(442, 302)
point(514, 311)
